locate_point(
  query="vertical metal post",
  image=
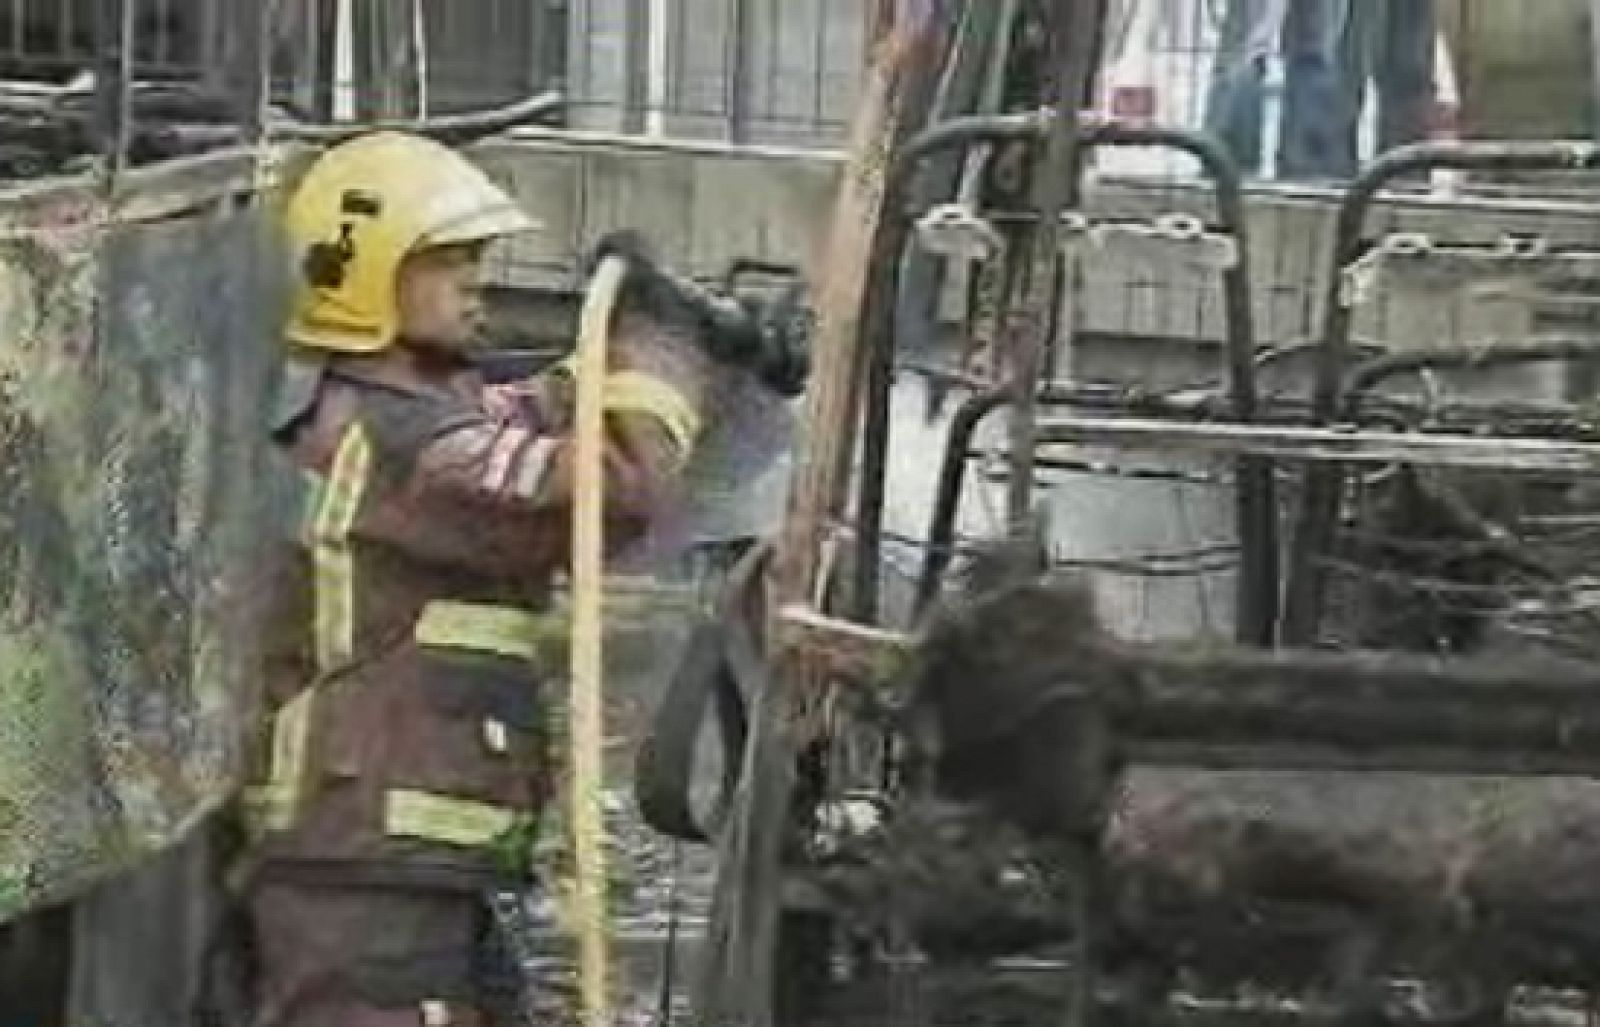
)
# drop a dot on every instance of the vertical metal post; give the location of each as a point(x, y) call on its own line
point(1075, 27)
point(161, 47)
point(66, 29)
point(19, 15)
point(636, 66)
point(208, 48)
point(658, 67)
point(321, 29)
point(419, 56)
point(387, 60)
point(740, 56)
point(540, 23)
point(247, 65)
point(365, 18)
point(342, 97)
point(114, 21)
point(819, 68)
point(578, 73)
point(1594, 67)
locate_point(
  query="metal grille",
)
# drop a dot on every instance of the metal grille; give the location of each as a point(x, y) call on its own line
point(757, 71)
point(42, 37)
point(746, 71)
point(488, 52)
point(56, 38)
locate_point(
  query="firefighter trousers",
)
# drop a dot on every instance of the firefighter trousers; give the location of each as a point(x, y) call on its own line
point(370, 956)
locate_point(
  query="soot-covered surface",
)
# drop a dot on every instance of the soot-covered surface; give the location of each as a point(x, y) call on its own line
point(1251, 873)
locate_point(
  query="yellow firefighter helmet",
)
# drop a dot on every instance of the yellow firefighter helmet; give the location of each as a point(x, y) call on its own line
point(361, 208)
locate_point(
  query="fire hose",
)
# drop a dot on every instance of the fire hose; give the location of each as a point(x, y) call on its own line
point(588, 905)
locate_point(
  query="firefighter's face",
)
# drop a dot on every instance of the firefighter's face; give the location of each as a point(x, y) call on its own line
point(441, 297)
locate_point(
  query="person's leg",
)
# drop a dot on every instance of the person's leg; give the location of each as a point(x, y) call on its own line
point(1235, 98)
point(1359, 41)
point(365, 957)
point(1316, 106)
point(1405, 65)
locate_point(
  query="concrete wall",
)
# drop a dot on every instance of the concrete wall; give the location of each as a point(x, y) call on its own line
point(706, 204)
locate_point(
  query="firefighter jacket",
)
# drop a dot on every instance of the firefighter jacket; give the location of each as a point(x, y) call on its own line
point(417, 640)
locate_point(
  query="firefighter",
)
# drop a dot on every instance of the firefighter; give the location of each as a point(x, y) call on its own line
point(406, 741)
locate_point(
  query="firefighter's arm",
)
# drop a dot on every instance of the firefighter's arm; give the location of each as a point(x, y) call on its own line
point(502, 485)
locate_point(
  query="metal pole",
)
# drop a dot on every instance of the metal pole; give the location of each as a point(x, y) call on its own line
point(636, 52)
point(389, 51)
point(658, 70)
point(248, 68)
point(344, 61)
point(1075, 27)
point(114, 21)
point(419, 52)
point(947, 498)
point(739, 61)
point(1594, 67)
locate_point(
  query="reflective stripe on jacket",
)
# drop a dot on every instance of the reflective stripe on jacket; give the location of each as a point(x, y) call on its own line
point(410, 721)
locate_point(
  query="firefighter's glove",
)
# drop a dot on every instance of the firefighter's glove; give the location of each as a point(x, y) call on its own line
point(768, 338)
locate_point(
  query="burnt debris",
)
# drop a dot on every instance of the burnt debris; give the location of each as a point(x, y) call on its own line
point(1299, 877)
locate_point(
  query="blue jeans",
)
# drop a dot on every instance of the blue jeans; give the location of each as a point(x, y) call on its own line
point(1308, 34)
point(1392, 43)
point(1330, 49)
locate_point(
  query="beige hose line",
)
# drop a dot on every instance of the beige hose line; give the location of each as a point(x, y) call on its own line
point(587, 670)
